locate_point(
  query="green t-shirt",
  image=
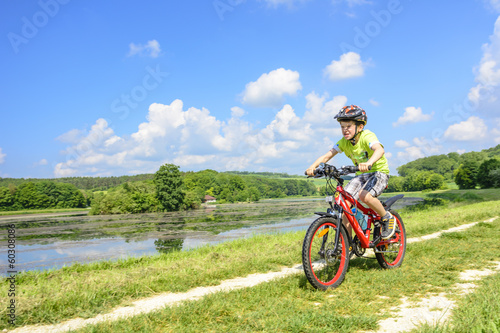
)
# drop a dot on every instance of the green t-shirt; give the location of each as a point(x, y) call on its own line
point(362, 151)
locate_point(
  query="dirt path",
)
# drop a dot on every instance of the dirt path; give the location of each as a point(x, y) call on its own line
point(407, 316)
point(434, 309)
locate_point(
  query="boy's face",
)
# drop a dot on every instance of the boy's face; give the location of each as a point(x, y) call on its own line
point(349, 129)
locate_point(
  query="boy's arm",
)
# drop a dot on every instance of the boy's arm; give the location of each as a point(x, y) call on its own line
point(378, 152)
point(323, 159)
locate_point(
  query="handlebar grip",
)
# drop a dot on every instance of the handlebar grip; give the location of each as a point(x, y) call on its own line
point(356, 168)
point(315, 172)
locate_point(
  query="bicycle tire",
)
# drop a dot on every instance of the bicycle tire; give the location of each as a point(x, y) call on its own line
point(390, 260)
point(325, 270)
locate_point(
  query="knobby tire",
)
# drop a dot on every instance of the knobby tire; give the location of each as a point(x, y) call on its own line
point(390, 260)
point(323, 268)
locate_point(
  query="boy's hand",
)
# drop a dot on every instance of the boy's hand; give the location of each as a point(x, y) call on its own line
point(310, 172)
point(364, 166)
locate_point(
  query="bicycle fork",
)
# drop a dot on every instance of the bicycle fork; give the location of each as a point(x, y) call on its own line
point(335, 249)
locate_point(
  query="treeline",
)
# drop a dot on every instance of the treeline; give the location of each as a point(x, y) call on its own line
point(467, 170)
point(446, 165)
point(83, 183)
point(171, 190)
point(41, 195)
point(105, 183)
point(416, 181)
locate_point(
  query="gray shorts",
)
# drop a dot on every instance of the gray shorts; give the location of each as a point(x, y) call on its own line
point(373, 182)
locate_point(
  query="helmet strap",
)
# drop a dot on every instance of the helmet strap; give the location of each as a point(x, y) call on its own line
point(354, 138)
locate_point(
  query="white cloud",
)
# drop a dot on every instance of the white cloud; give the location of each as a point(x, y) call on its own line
point(420, 147)
point(495, 132)
point(287, 125)
point(2, 156)
point(288, 3)
point(483, 94)
point(71, 136)
point(195, 139)
point(412, 115)
point(170, 133)
point(374, 102)
point(237, 112)
point(401, 144)
point(472, 129)
point(270, 88)
point(319, 112)
point(493, 4)
point(349, 66)
point(151, 49)
point(43, 161)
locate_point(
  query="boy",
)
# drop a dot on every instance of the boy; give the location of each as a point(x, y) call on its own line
point(364, 149)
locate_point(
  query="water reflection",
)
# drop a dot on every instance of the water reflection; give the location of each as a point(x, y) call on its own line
point(168, 245)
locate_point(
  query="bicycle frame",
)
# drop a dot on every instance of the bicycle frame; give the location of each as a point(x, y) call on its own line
point(342, 198)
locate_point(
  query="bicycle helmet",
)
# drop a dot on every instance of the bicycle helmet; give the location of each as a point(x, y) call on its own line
point(352, 112)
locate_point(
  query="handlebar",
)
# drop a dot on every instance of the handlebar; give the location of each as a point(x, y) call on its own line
point(330, 170)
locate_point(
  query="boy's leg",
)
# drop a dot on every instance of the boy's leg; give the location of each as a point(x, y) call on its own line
point(374, 186)
point(372, 202)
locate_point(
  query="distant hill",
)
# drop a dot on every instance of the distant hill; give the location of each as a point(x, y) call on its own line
point(446, 164)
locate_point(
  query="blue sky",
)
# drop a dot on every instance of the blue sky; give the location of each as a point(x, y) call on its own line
point(93, 88)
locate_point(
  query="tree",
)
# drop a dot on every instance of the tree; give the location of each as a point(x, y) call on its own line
point(6, 198)
point(395, 184)
point(168, 184)
point(434, 182)
point(495, 177)
point(465, 175)
point(30, 198)
point(483, 175)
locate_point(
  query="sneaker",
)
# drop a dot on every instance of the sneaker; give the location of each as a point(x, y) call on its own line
point(388, 227)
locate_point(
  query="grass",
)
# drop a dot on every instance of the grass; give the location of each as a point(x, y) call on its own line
point(290, 304)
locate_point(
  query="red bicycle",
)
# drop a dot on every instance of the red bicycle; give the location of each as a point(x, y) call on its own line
point(328, 248)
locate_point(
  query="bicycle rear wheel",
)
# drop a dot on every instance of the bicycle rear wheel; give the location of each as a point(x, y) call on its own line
point(324, 267)
point(391, 252)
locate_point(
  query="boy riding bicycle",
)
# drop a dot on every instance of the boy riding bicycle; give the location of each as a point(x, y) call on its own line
point(364, 149)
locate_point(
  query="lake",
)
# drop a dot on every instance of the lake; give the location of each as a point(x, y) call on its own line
point(44, 242)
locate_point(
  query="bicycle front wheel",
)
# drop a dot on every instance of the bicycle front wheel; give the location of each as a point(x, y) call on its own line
point(325, 267)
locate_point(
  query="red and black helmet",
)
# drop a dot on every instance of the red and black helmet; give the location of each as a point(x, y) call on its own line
point(352, 112)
